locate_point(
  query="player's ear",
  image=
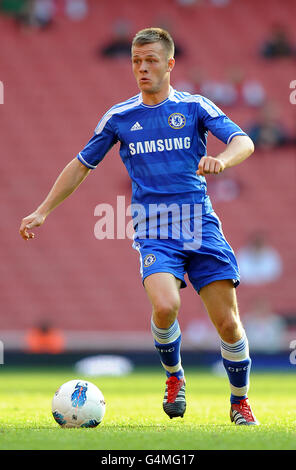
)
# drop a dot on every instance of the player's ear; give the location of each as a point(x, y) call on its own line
point(171, 64)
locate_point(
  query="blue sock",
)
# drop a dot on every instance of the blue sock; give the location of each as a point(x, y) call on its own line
point(237, 364)
point(168, 343)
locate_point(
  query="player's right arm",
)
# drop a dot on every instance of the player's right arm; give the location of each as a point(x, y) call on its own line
point(68, 180)
point(73, 174)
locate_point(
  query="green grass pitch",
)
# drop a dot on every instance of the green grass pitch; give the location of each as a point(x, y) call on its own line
point(134, 418)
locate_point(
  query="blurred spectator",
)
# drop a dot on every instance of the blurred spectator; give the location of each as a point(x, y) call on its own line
point(12, 7)
point(221, 92)
point(219, 3)
point(249, 90)
point(278, 44)
point(253, 92)
point(266, 330)
point(45, 339)
point(188, 3)
point(120, 45)
point(76, 10)
point(36, 14)
point(258, 262)
point(268, 131)
point(235, 89)
point(41, 13)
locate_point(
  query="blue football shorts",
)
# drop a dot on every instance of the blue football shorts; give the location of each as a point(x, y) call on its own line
point(213, 260)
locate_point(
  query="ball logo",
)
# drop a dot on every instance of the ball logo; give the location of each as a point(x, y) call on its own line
point(177, 120)
point(78, 397)
point(148, 260)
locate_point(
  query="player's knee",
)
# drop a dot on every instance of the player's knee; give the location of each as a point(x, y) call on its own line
point(165, 312)
point(230, 329)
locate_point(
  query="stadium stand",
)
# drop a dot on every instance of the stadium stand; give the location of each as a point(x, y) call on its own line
point(55, 90)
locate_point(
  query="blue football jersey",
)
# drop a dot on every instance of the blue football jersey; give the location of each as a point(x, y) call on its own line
point(161, 146)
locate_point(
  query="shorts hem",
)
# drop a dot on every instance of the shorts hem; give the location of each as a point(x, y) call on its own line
point(178, 276)
point(235, 279)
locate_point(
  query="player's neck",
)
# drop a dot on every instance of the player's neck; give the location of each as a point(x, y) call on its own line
point(151, 99)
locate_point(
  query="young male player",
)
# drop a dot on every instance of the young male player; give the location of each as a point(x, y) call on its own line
point(162, 135)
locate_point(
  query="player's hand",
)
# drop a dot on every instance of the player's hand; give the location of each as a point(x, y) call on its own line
point(29, 222)
point(210, 165)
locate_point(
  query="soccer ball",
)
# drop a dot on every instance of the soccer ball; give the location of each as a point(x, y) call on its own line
point(78, 404)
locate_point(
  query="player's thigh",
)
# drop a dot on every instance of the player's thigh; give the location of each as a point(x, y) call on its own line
point(163, 292)
point(219, 298)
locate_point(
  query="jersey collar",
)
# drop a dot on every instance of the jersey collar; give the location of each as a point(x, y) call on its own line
point(170, 97)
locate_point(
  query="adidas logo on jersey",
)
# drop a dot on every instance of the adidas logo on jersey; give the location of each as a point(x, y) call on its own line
point(136, 127)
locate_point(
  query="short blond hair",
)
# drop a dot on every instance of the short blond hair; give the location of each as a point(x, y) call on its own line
point(151, 35)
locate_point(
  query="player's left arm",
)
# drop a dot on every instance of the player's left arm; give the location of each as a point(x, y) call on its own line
point(240, 148)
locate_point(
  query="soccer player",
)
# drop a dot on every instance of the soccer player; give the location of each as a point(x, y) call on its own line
point(163, 135)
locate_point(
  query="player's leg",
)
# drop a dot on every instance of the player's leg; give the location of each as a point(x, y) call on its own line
point(214, 273)
point(219, 298)
point(163, 292)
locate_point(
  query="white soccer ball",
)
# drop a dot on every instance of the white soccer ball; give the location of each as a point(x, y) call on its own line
point(78, 404)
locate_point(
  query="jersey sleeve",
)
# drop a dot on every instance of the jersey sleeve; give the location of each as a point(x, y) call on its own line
point(101, 142)
point(216, 121)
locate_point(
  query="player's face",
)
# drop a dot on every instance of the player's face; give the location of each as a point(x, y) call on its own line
point(151, 67)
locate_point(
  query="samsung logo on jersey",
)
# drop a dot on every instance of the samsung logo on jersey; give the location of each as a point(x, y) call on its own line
point(159, 145)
